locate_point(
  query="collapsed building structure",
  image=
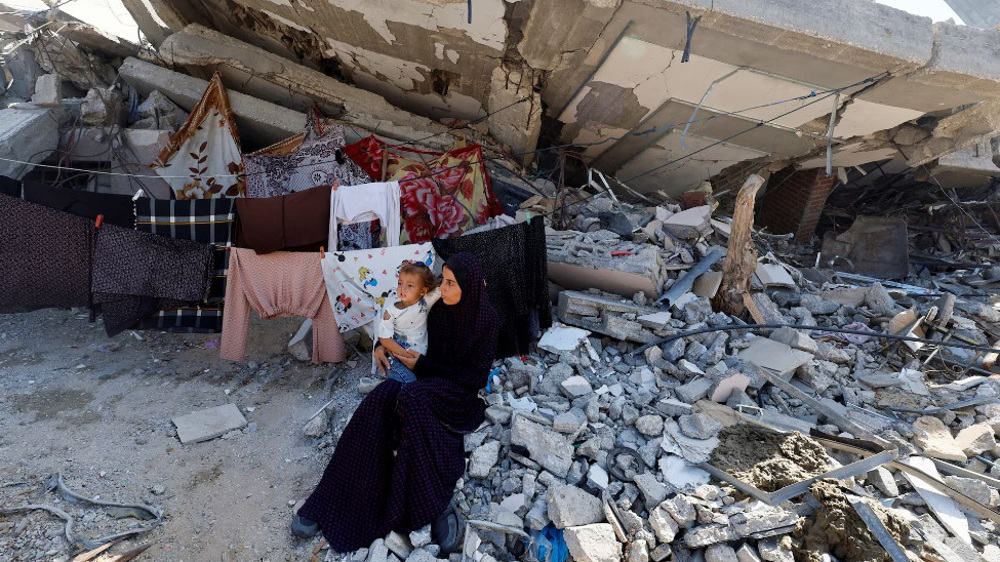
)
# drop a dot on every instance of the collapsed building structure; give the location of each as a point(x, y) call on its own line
point(625, 433)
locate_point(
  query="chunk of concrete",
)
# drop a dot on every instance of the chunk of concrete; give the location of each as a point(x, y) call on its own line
point(26, 136)
point(48, 91)
point(883, 481)
point(649, 425)
point(976, 439)
point(209, 424)
point(513, 121)
point(774, 356)
point(561, 339)
point(936, 440)
point(663, 525)
point(102, 106)
point(570, 506)
point(690, 224)
point(693, 391)
point(158, 112)
point(545, 447)
point(593, 543)
point(483, 459)
point(653, 491)
point(576, 386)
point(699, 426)
point(24, 69)
point(723, 388)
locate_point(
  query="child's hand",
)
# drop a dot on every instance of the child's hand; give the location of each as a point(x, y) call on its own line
point(409, 353)
point(408, 357)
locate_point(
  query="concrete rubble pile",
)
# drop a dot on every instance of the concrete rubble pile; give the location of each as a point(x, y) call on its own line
point(647, 425)
point(766, 444)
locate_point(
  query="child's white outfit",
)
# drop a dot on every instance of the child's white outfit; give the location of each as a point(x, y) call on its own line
point(407, 326)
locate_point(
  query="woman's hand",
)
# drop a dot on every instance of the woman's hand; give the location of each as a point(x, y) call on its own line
point(381, 360)
point(408, 357)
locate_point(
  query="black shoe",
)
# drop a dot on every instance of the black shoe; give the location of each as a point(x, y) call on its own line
point(447, 530)
point(304, 528)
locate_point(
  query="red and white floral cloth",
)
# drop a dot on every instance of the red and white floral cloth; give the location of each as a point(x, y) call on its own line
point(443, 194)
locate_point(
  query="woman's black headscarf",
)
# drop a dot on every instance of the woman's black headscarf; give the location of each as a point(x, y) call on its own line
point(454, 329)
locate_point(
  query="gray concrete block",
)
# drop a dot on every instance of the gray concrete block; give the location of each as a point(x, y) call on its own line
point(209, 424)
point(26, 136)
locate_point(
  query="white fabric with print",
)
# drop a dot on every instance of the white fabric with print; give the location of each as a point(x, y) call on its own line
point(359, 282)
point(366, 202)
point(408, 326)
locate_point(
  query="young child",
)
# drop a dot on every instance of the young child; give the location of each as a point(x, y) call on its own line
point(403, 325)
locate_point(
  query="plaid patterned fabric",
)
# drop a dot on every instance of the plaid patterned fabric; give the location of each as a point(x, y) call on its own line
point(209, 221)
point(204, 319)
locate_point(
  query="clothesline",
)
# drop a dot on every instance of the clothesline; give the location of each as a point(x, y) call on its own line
point(511, 156)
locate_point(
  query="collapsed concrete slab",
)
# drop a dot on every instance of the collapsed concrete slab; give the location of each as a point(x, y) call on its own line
point(258, 120)
point(26, 137)
point(279, 80)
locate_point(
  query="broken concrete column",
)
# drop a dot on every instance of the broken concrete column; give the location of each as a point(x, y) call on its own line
point(258, 120)
point(26, 136)
point(277, 77)
point(515, 111)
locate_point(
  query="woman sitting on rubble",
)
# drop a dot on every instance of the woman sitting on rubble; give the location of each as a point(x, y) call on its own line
point(397, 462)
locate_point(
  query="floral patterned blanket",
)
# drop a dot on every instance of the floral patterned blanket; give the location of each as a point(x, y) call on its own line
point(443, 194)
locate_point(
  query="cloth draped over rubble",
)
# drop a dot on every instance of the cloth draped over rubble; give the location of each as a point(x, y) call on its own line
point(444, 194)
point(203, 159)
point(312, 159)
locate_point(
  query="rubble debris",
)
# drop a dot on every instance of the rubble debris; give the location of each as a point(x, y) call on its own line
point(204, 425)
point(836, 528)
point(26, 136)
point(769, 460)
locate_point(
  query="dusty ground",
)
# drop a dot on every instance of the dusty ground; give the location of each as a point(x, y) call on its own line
point(98, 410)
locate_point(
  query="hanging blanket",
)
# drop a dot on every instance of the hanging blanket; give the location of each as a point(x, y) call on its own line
point(203, 159)
point(137, 273)
point(46, 256)
point(516, 268)
point(318, 160)
point(207, 221)
point(117, 209)
point(443, 194)
point(359, 282)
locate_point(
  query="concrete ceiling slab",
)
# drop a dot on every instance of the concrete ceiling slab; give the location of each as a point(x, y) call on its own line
point(851, 155)
point(864, 117)
point(674, 114)
point(905, 91)
point(687, 173)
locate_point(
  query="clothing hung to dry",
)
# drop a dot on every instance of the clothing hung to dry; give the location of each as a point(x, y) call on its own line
point(397, 461)
point(137, 273)
point(46, 255)
point(278, 285)
point(208, 221)
point(364, 203)
point(309, 159)
point(359, 282)
point(443, 194)
point(297, 222)
point(117, 209)
point(203, 159)
point(517, 281)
